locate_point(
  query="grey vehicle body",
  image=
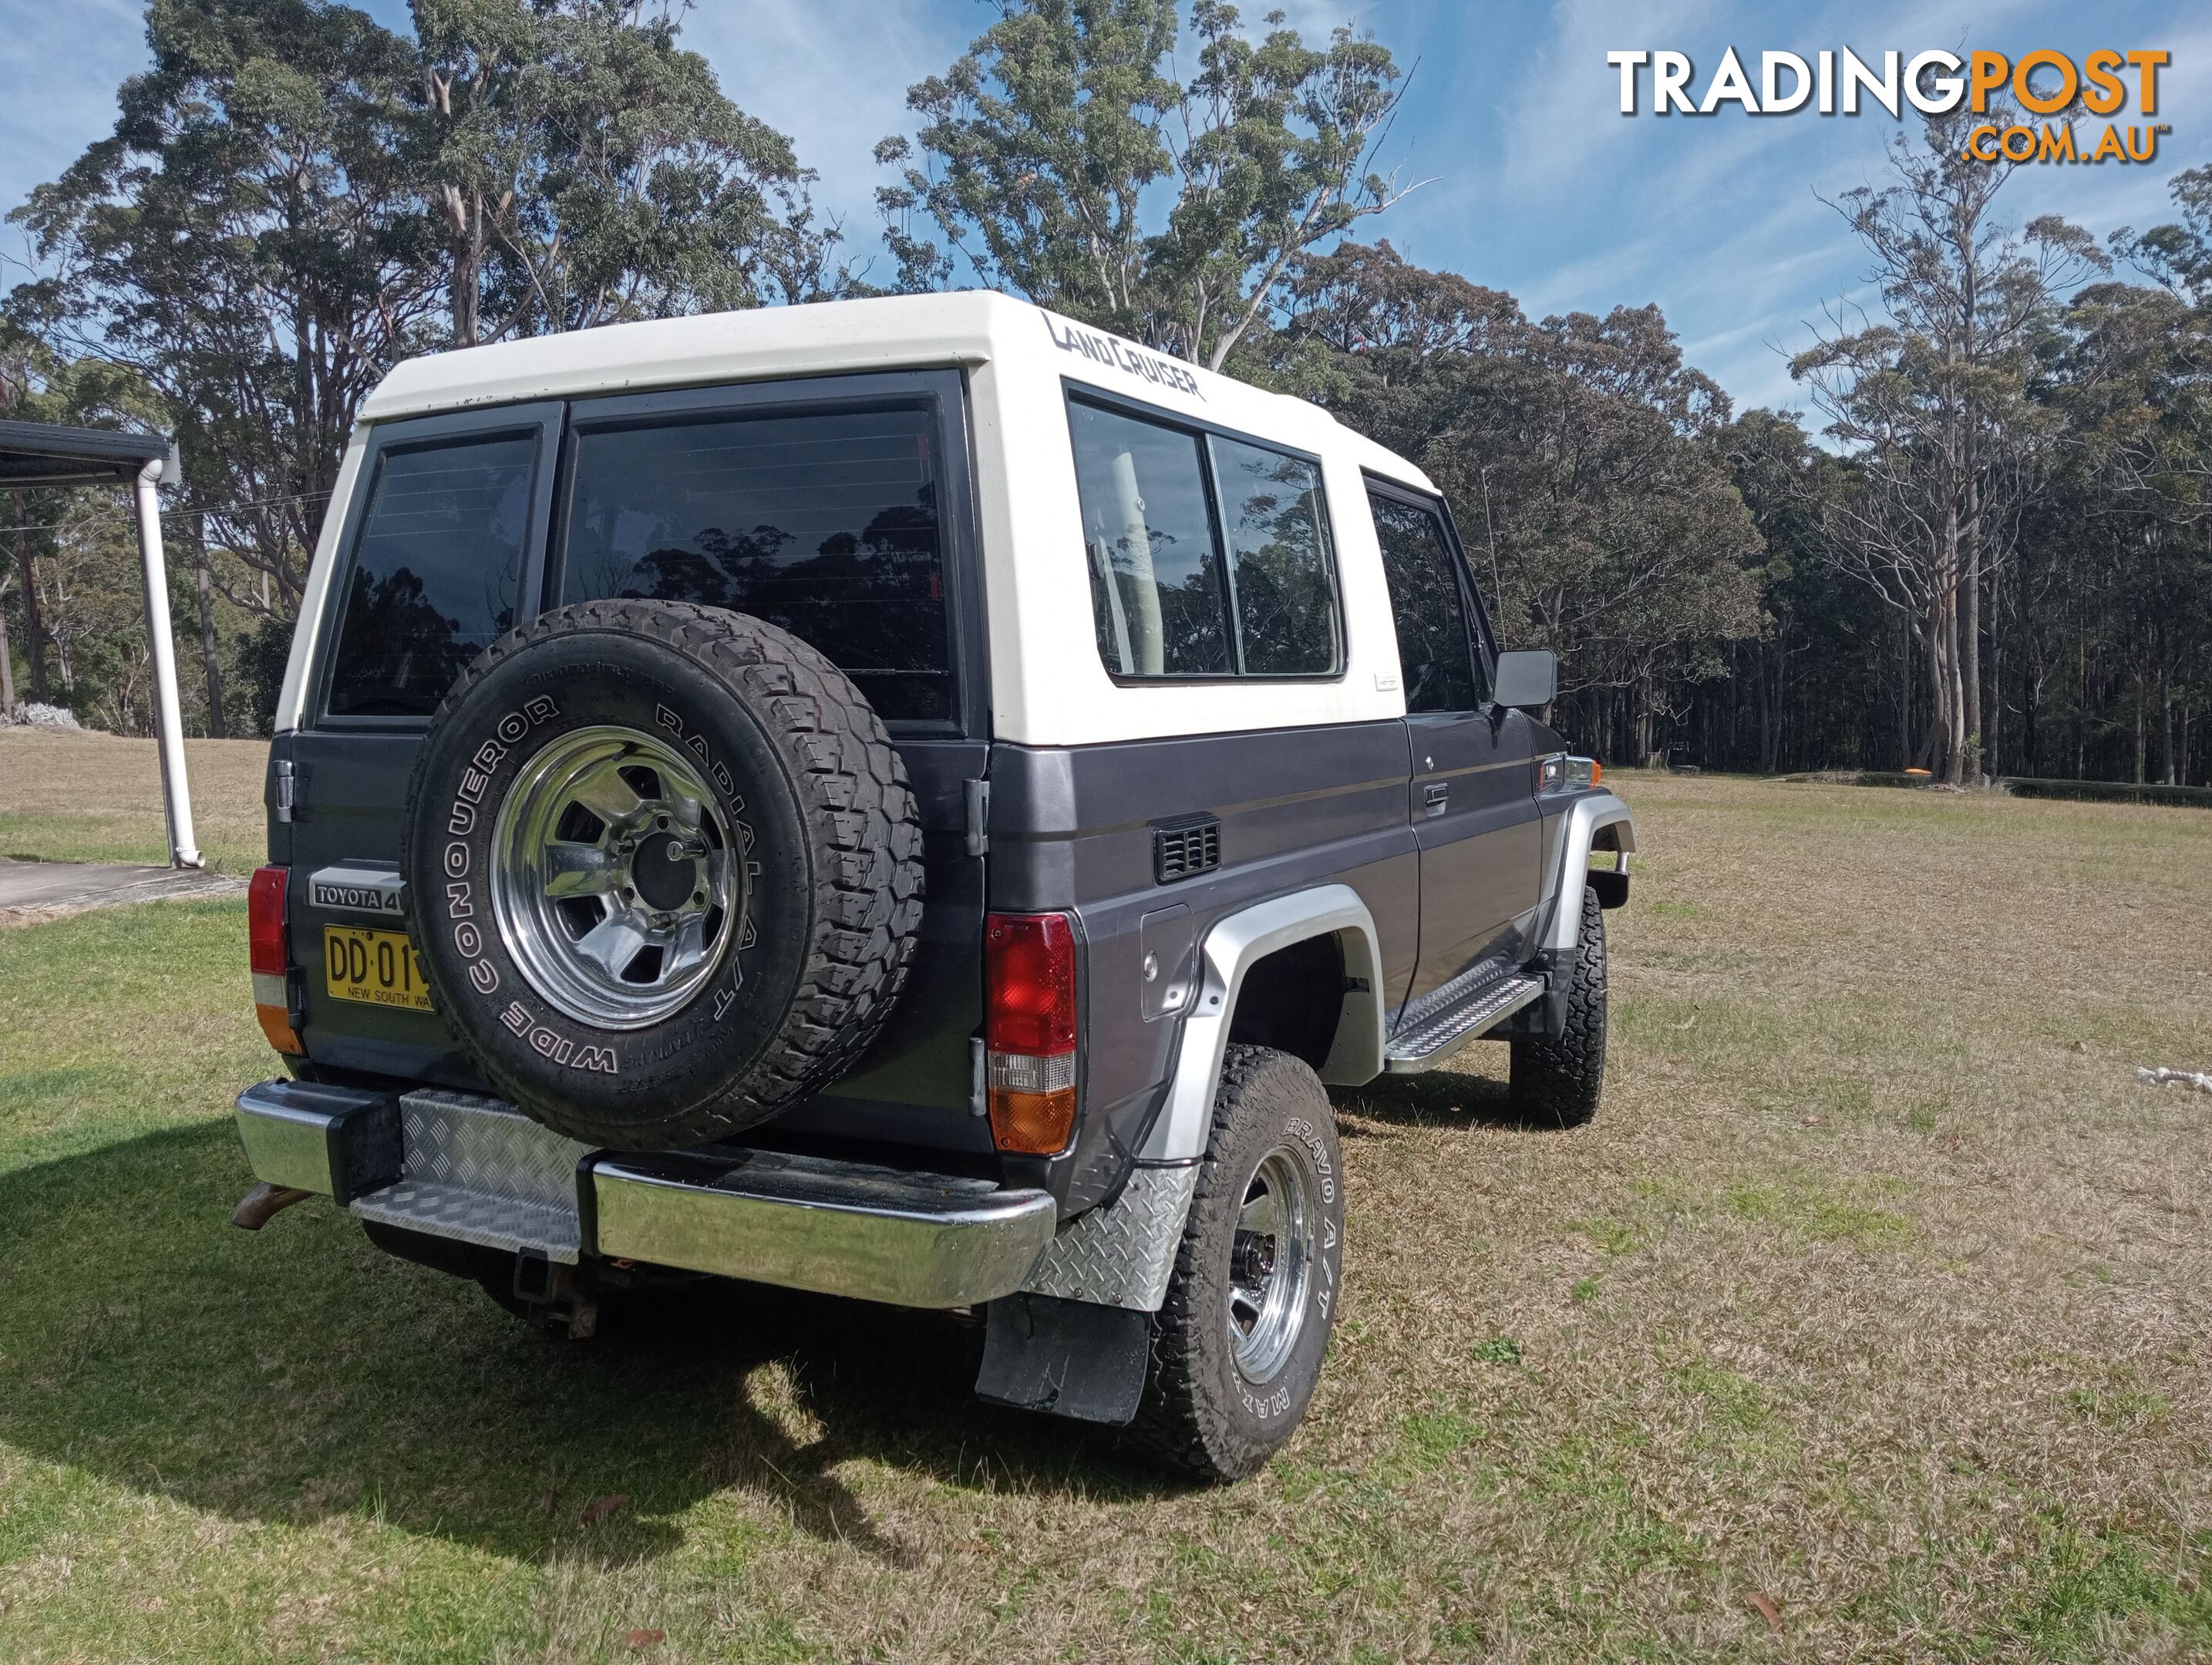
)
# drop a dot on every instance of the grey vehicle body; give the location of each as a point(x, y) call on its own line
point(1360, 884)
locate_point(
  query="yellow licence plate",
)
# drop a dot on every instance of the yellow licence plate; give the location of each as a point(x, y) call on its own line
point(377, 968)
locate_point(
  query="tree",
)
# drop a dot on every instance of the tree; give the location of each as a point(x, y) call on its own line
point(1935, 400)
point(585, 170)
point(249, 242)
point(294, 198)
point(1581, 454)
point(1045, 142)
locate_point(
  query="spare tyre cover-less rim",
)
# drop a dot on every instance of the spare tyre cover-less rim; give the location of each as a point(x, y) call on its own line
point(767, 928)
point(620, 920)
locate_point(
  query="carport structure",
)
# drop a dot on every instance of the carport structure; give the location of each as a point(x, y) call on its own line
point(43, 454)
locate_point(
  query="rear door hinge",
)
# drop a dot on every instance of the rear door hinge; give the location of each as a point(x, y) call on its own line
point(976, 797)
point(287, 788)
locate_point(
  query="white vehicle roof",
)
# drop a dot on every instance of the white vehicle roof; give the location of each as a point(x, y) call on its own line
point(1047, 684)
point(892, 332)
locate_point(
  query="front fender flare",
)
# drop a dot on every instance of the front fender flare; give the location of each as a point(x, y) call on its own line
point(1577, 827)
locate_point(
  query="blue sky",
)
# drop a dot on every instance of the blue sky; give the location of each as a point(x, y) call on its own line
point(1532, 181)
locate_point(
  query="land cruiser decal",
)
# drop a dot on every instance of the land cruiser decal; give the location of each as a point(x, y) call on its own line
point(1121, 356)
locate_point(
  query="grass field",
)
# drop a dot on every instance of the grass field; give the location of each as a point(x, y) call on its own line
point(1877, 1294)
point(93, 796)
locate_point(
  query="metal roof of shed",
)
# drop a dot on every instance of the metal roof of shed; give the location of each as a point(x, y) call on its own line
point(37, 453)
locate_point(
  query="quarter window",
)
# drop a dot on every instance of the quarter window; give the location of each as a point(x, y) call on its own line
point(435, 572)
point(1173, 596)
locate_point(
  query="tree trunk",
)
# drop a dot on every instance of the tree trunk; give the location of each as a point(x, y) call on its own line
point(2143, 731)
point(7, 663)
point(2166, 735)
point(34, 633)
point(209, 660)
point(1905, 680)
point(1972, 733)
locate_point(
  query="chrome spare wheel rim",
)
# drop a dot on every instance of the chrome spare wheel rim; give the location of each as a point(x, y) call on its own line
point(1271, 1265)
point(614, 878)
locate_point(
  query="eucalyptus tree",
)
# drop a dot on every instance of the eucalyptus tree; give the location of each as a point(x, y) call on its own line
point(1043, 151)
point(295, 197)
point(249, 241)
point(1581, 456)
point(584, 169)
point(1934, 399)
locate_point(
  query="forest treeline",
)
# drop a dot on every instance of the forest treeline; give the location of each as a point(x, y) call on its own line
point(1989, 556)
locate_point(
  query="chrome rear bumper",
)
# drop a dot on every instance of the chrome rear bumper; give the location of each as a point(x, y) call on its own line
point(476, 1170)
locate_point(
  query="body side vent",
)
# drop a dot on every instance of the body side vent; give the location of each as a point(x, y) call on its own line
point(1185, 847)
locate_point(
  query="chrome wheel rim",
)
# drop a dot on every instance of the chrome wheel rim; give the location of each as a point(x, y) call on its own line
point(1271, 1265)
point(615, 882)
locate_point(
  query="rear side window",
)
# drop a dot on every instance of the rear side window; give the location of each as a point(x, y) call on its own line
point(1279, 567)
point(826, 524)
point(1434, 648)
point(435, 572)
point(1208, 557)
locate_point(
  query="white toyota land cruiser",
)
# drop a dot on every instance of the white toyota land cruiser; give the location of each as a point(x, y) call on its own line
point(910, 798)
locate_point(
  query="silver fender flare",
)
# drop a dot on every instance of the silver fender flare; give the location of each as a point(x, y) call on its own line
point(1232, 946)
point(1578, 826)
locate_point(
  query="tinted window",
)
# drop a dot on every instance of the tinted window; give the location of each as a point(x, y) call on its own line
point(1156, 590)
point(1433, 645)
point(826, 524)
point(434, 575)
point(1280, 563)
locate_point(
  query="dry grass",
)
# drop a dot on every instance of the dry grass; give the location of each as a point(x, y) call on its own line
point(94, 797)
point(1878, 1290)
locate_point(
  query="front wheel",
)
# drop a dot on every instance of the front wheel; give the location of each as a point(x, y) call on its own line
point(1557, 1082)
point(1238, 1344)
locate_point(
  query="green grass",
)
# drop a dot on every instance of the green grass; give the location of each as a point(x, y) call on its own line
point(1867, 1292)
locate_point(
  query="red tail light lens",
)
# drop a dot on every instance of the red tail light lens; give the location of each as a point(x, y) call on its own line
point(265, 920)
point(1029, 1030)
point(269, 957)
point(1029, 969)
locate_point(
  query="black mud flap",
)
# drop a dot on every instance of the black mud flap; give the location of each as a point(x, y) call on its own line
point(1071, 1358)
point(1612, 887)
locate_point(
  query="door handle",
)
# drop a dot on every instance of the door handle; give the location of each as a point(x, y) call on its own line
point(1435, 796)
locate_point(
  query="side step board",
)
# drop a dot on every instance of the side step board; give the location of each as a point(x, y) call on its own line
point(1456, 1014)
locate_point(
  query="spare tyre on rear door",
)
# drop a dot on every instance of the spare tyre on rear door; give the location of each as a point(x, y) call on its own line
point(663, 870)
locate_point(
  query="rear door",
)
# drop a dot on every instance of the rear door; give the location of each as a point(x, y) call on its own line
point(836, 507)
point(1474, 802)
point(443, 550)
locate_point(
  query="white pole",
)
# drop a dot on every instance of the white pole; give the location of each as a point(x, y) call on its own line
point(168, 722)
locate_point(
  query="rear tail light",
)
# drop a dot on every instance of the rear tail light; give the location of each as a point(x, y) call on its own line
point(270, 957)
point(1029, 1030)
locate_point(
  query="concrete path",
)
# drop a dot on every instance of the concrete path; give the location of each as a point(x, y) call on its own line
point(35, 890)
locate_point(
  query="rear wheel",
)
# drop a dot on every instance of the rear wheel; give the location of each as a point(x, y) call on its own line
point(1237, 1345)
point(1558, 1082)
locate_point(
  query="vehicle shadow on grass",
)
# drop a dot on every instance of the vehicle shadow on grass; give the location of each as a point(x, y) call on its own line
point(299, 1373)
point(1435, 1098)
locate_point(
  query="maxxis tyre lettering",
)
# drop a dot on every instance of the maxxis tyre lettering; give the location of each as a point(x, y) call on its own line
point(809, 783)
point(1558, 1082)
point(1199, 1413)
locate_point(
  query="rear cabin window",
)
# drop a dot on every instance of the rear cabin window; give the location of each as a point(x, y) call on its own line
point(826, 524)
point(1208, 557)
point(434, 575)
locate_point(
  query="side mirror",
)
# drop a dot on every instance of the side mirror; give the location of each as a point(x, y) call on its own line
point(1528, 680)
